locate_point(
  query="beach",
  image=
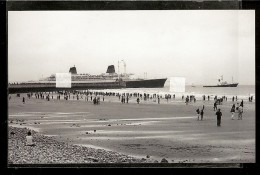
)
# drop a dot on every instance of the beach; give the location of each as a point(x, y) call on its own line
point(134, 133)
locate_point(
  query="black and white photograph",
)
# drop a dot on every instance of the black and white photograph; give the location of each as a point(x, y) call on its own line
point(131, 87)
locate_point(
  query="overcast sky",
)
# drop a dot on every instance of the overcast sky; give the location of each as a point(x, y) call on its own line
point(199, 45)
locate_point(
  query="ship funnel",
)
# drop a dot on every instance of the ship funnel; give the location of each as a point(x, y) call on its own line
point(111, 69)
point(73, 70)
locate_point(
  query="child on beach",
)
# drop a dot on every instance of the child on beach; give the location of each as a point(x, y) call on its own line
point(23, 100)
point(29, 139)
point(219, 114)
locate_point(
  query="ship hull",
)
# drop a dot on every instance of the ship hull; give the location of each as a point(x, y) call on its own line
point(51, 86)
point(150, 83)
point(226, 85)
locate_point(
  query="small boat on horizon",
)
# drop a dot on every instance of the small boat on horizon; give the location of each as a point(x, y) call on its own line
point(223, 83)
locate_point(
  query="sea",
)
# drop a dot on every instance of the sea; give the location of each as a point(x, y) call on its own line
point(241, 91)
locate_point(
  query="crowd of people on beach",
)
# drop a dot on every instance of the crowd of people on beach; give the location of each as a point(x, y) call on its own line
point(95, 97)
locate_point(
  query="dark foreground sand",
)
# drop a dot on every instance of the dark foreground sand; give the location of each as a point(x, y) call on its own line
point(168, 130)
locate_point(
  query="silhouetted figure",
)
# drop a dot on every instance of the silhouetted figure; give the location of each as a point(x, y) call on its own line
point(219, 114)
point(242, 104)
point(201, 114)
point(138, 100)
point(23, 100)
point(215, 106)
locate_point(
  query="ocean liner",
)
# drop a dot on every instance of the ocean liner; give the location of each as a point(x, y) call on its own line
point(223, 83)
point(111, 76)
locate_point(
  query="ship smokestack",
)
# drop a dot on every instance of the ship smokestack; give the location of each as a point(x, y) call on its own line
point(73, 70)
point(111, 69)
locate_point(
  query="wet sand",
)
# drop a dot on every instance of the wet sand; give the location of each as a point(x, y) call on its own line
point(167, 130)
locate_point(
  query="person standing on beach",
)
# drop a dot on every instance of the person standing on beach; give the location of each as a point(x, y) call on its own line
point(219, 114)
point(215, 106)
point(158, 100)
point(138, 100)
point(242, 104)
point(127, 98)
point(23, 100)
point(187, 100)
point(198, 113)
point(240, 111)
point(94, 101)
point(201, 114)
point(232, 111)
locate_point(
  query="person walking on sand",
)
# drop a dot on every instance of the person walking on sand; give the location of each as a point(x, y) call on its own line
point(232, 111)
point(23, 100)
point(215, 106)
point(158, 100)
point(219, 114)
point(240, 111)
point(201, 114)
point(29, 139)
point(198, 113)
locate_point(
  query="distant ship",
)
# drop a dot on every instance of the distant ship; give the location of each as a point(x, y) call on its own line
point(223, 83)
point(111, 76)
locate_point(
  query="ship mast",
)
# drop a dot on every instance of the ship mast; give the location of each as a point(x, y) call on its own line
point(118, 69)
point(124, 67)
